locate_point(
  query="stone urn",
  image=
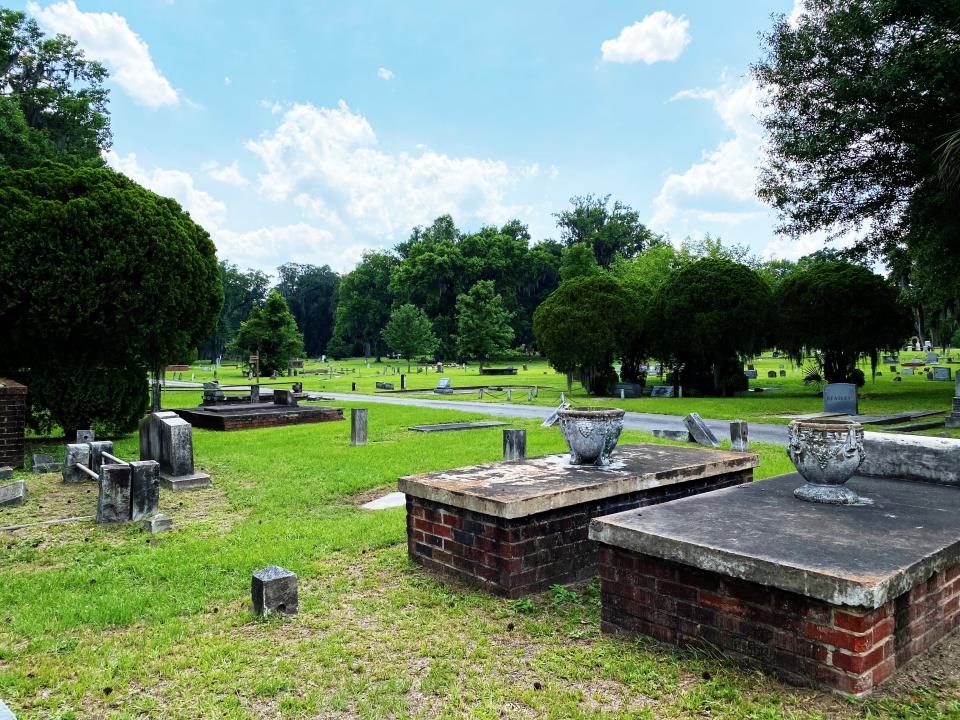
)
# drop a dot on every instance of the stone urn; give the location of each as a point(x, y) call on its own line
point(826, 454)
point(591, 433)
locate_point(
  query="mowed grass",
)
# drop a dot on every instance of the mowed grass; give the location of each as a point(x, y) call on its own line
point(105, 622)
point(781, 395)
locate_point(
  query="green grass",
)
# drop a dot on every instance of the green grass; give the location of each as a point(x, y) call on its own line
point(104, 622)
point(789, 396)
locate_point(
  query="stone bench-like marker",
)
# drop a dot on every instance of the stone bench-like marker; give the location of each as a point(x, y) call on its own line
point(519, 527)
point(835, 596)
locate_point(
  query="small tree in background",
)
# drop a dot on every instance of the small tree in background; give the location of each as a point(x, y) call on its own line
point(409, 333)
point(842, 310)
point(271, 332)
point(483, 325)
point(705, 318)
point(578, 261)
point(585, 324)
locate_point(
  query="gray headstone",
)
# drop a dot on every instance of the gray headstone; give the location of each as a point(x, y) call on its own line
point(944, 374)
point(783, 373)
point(358, 426)
point(662, 391)
point(97, 448)
point(751, 374)
point(85, 436)
point(6, 472)
point(840, 398)
point(157, 523)
point(151, 436)
point(113, 503)
point(14, 493)
point(144, 489)
point(274, 590)
point(42, 463)
point(699, 430)
point(298, 387)
point(628, 390)
point(76, 454)
point(514, 444)
point(284, 397)
point(907, 371)
point(771, 373)
point(254, 393)
point(176, 446)
point(931, 358)
point(738, 436)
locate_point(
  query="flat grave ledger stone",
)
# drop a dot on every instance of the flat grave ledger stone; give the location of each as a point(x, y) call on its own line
point(661, 391)
point(390, 500)
point(942, 373)
point(751, 374)
point(845, 594)
point(699, 431)
point(444, 427)
point(274, 590)
point(521, 526)
point(14, 493)
point(628, 389)
point(43, 463)
point(840, 398)
point(5, 712)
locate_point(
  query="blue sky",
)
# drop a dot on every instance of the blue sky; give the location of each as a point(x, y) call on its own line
point(310, 131)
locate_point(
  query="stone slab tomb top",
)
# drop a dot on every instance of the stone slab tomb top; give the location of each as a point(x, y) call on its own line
point(523, 487)
point(861, 556)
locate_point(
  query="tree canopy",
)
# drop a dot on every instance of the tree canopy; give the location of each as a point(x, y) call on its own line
point(364, 303)
point(409, 333)
point(271, 332)
point(311, 293)
point(842, 310)
point(97, 275)
point(483, 325)
point(610, 230)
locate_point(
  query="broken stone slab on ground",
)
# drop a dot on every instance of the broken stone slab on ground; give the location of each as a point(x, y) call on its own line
point(6, 472)
point(13, 494)
point(274, 590)
point(677, 435)
point(699, 431)
point(390, 500)
point(42, 463)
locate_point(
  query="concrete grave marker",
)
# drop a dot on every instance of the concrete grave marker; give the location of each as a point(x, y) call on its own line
point(931, 358)
point(750, 374)
point(113, 502)
point(514, 444)
point(907, 371)
point(274, 590)
point(358, 426)
point(144, 489)
point(76, 453)
point(662, 391)
point(944, 374)
point(699, 430)
point(840, 398)
point(42, 463)
point(771, 373)
point(85, 436)
point(13, 493)
point(157, 523)
point(6, 472)
point(444, 387)
point(738, 436)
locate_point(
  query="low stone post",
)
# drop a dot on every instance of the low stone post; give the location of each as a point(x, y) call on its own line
point(274, 590)
point(514, 444)
point(176, 446)
point(353, 387)
point(97, 449)
point(77, 453)
point(358, 426)
point(254, 393)
point(403, 381)
point(144, 488)
point(738, 436)
point(155, 396)
point(113, 503)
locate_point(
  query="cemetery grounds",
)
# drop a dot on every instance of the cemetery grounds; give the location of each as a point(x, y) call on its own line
point(106, 622)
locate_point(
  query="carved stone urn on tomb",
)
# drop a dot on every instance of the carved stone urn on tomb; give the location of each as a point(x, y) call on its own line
point(591, 433)
point(826, 454)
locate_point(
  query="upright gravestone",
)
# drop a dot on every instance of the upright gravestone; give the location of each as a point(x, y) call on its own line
point(168, 439)
point(85, 436)
point(514, 444)
point(358, 426)
point(254, 393)
point(444, 387)
point(77, 453)
point(144, 489)
point(942, 373)
point(661, 391)
point(738, 436)
point(274, 590)
point(97, 448)
point(113, 503)
point(840, 398)
point(953, 419)
point(284, 397)
point(699, 430)
point(750, 374)
point(931, 358)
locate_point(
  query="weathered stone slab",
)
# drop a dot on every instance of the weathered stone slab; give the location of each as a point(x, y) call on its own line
point(5, 712)
point(927, 459)
point(176, 456)
point(677, 435)
point(43, 463)
point(739, 439)
point(85, 436)
point(358, 426)
point(662, 391)
point(859, 556)
point(942, 373)
point(750, 374)
point(627, 390)
point(514, 444)
point(144, 489)
point(274, 590)
point(157, 523)
point(699, 431)
point(6, 472)
point(14, 493)
point(390, 500)
point(840, 398)
point(521, 488)
point(444, 387)
point(193, 481)
point(444, 427)
point(77, 453)
point(113, 503)
point(285, 398)
point(97, 448)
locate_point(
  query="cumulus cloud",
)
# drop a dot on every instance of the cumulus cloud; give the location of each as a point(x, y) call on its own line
point(728, 173)
point(267, 247)
point(229, 174)
point(659, 36)
point(328, 161)
point(107, 37)
point(227, 80)
point(203, 208)
point(385, 74)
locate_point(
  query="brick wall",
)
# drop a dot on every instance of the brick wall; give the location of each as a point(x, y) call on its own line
point(804, 641)
point(13, 413)
point(514, 557)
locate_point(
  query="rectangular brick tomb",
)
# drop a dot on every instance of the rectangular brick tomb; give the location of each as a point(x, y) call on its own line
point(837, 597)
point(521, 526)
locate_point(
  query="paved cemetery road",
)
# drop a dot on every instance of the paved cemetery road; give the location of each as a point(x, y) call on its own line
point(759, 432)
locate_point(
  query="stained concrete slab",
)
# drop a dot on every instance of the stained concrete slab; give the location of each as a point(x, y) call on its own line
point(444, 427)
point(523, 487)
point(390, 500)
point(860, 556)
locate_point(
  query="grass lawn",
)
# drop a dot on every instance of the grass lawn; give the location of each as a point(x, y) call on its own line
point(783, 396)
point(105, 622)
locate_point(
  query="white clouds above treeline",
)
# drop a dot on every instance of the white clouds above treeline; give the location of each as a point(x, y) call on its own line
point(658, 37)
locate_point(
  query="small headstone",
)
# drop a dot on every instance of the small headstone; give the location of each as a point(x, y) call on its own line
point(932, 358)
point(840, 398)
point(628, 390)
point(274, 590)
point(893, 368)
point(85, 436)
point(97, 448)
point(941, 373)
point(661, 391)
point(444, 387)
point(298, 387)
point(144, 489)
point(771, 373)
point(907, 371)
point(678, 435)
point(514, 444)
point(358, 426)
point(751, 366)
point(782, 366)
point(254, 393)
point(6, 472)
point(783, 373)
point(13, 494)
point(750, 374)
point(284, 397)
point(157, 523)
point(42, 463)
point(699, 430)
point(113, 503)
point(77, 454)
point(176, 446)
point(738, 436)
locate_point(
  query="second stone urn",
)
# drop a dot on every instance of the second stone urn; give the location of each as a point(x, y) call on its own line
point(826, 454)
point(591, 433)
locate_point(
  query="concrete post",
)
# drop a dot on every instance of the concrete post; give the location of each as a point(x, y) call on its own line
point(254, 393)
point(403, 381)
point(738, 436)
point(358, 426)
point(113, 503)
point(514, 444)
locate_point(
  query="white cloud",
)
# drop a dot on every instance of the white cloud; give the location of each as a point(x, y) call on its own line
point(268, 247)
point(203, 208)
point(227, 80)
point(659, 36)
point(271, 105)
point(385, 74)
point(799, 9)
point(327, 159)
point(229, 174)
point(107, 37)
point(728, 173)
